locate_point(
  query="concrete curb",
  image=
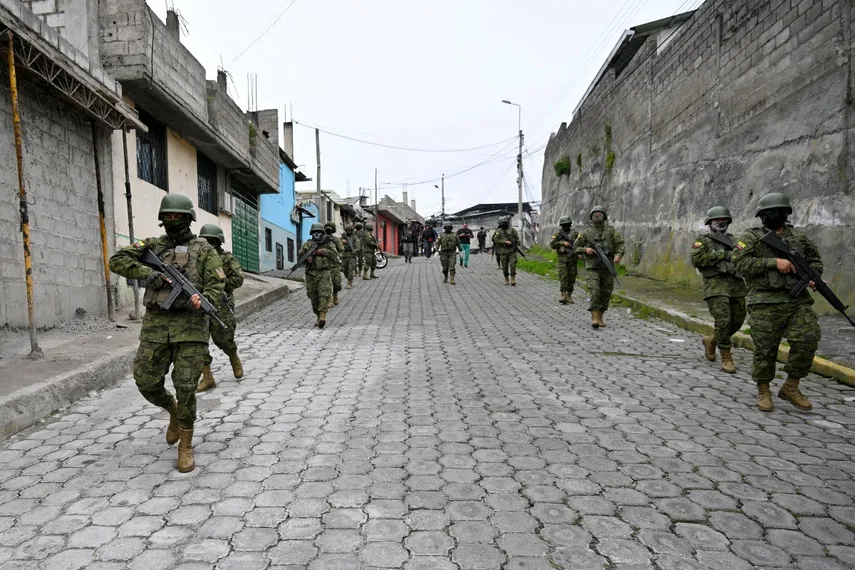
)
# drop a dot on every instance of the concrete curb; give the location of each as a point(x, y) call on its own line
point(821, 366)
point(25, 407)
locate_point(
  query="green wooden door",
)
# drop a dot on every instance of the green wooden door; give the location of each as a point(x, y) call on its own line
point(245, 230)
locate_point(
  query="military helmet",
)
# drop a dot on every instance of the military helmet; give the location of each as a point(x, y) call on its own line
point(565, 220)
point(212, 231)
point(176, 204)
point(369, 226)
point(358, 225)
point(772, 201)
point(717, 212)
point(600, 209)
point(447, 225)
point(330, 225)
point(317, 228)
point(348, 227)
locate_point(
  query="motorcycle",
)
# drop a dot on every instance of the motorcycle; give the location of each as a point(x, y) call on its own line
point(382, 261)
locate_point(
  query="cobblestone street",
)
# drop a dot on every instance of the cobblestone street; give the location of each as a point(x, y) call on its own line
point(435, 427)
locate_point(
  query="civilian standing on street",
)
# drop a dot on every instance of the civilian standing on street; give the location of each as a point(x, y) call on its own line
point(409, 242)
point(465, 236)
point(428, 238)
point(482, 240)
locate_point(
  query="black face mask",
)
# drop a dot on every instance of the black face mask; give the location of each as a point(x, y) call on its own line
point(317, 236)
point(329, 231)
point(774, 219)
point(178, 230)
point(566, 227)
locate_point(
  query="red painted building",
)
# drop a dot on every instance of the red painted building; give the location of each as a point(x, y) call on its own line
point(391, 219)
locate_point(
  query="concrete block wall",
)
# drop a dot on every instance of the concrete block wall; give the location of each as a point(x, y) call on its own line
point(751, 96)
point(74, 20)
point(227, 119)
point(64, 224)
point(265, 154)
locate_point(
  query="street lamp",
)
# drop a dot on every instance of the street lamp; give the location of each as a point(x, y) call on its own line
point(519, 168)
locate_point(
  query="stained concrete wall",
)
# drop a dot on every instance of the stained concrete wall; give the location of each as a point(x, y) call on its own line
point(74, 20)
point(59, 168)
point(748, 97)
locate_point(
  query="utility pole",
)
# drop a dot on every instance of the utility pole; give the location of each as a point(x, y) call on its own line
point(318, 153)
point(376, 203)
point(519, 169)
point(442, 212)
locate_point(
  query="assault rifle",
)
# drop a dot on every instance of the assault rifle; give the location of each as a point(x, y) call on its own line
point(806, 272)
point(519, 251)
point(604, 259)
point(569, 240)
point(722, 239)
point(309, 254)
point(180, 285)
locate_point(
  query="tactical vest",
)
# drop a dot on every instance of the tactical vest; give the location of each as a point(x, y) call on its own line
point(774, 280)
point(446, 242)
point(185, 257)
point(500, 237)
point(565, 254)
point(723, 267)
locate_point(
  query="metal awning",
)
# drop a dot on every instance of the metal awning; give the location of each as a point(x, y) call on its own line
point(39, 54)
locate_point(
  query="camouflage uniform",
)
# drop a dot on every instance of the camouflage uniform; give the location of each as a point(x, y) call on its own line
point(178, 336)
point(448, 244)
point(335, 270)
point(724, 289)
point(599, 281)
point(349, 245)
point(568, 269)
point(318, 281)
point(224, 338)
point(772, 313)
point(507, 254)
point(369, 246)
point(360, 257)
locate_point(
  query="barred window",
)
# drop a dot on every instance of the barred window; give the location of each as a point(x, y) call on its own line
point(206, 174)
point(151, 152)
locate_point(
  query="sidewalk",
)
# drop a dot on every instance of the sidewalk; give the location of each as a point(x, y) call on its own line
point(87, 354)
point(685, 307)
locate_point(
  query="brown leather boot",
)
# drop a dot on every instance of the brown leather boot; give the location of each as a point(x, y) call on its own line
point(350, 283)
point(172, 434)
point(452, 278)
point(563, 299)
point(709, 347)
point(507, 280)
point(727, 364)
point(237, 365)
point(600, 319)
point(513, 280)
point(595, 321)
point(764, 398)
point(186, 463)
point(322, 319)
point(207, 380)
point(790, 392)
point(335, 299)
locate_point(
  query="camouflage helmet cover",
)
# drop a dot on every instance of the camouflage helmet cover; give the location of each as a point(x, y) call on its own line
point(317, 228)
point(565, 220)
point(330, 225)
point(212, 231)
point(600, 209)
point(176, 204)
point(369, 226)
point(717, 212)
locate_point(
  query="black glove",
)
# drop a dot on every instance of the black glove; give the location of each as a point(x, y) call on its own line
point(156, 280)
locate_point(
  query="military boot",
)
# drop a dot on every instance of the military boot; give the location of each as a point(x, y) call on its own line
point(513, 280)
point(372, 274)
point(322, 319)
point(445, 277)
point(595, 322)
point(350, 283)
point(335, 299)
point(207, 380)
point(563, 300)
point(452, 278)
point(600, 320)
point(727, 364)
point(172, 434)
point(709, 347)
point(764, 398)
point(790, 392)
point(237, 366)
point(186, 463)
point(507, 280)
point(365, 274)
point(570, 300)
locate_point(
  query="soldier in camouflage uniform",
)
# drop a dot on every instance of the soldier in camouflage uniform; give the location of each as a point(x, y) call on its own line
point(772, 313)
point(224, 338)
point(349, 245)
point(178, 336)
point(724, 289)
point(335, 271)
point(600, 282)
point(448, 245)
point(369, 246)
point(360, 258)
point(563, 242)
point(318, 267)
point(505, 243)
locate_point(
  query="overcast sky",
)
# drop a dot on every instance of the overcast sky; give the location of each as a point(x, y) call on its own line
point(417, 74)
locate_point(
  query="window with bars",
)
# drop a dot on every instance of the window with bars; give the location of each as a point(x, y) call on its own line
point(151, 152)
point(268, 239)
point(206, 174)
point(290, 250)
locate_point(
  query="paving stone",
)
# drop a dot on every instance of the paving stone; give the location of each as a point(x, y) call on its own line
point(338, 541)
point(385, 530)
point(294, 552)
point(795, 543)
point(477, 557)
point(383, 554)
point(826, 531)
point(760, 554)
point(259, 539)
point(735, 526)
point(428, 543)
point(702, 537)
point(621, 551)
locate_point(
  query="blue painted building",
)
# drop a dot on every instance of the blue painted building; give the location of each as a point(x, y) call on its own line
point(312, 216)
point(281, 219)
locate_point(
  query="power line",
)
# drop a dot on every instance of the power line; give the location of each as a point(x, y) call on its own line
point(411, 149)
point(273, 23)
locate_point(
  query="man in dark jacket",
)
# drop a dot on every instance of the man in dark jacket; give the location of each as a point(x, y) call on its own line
point(428, 239)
